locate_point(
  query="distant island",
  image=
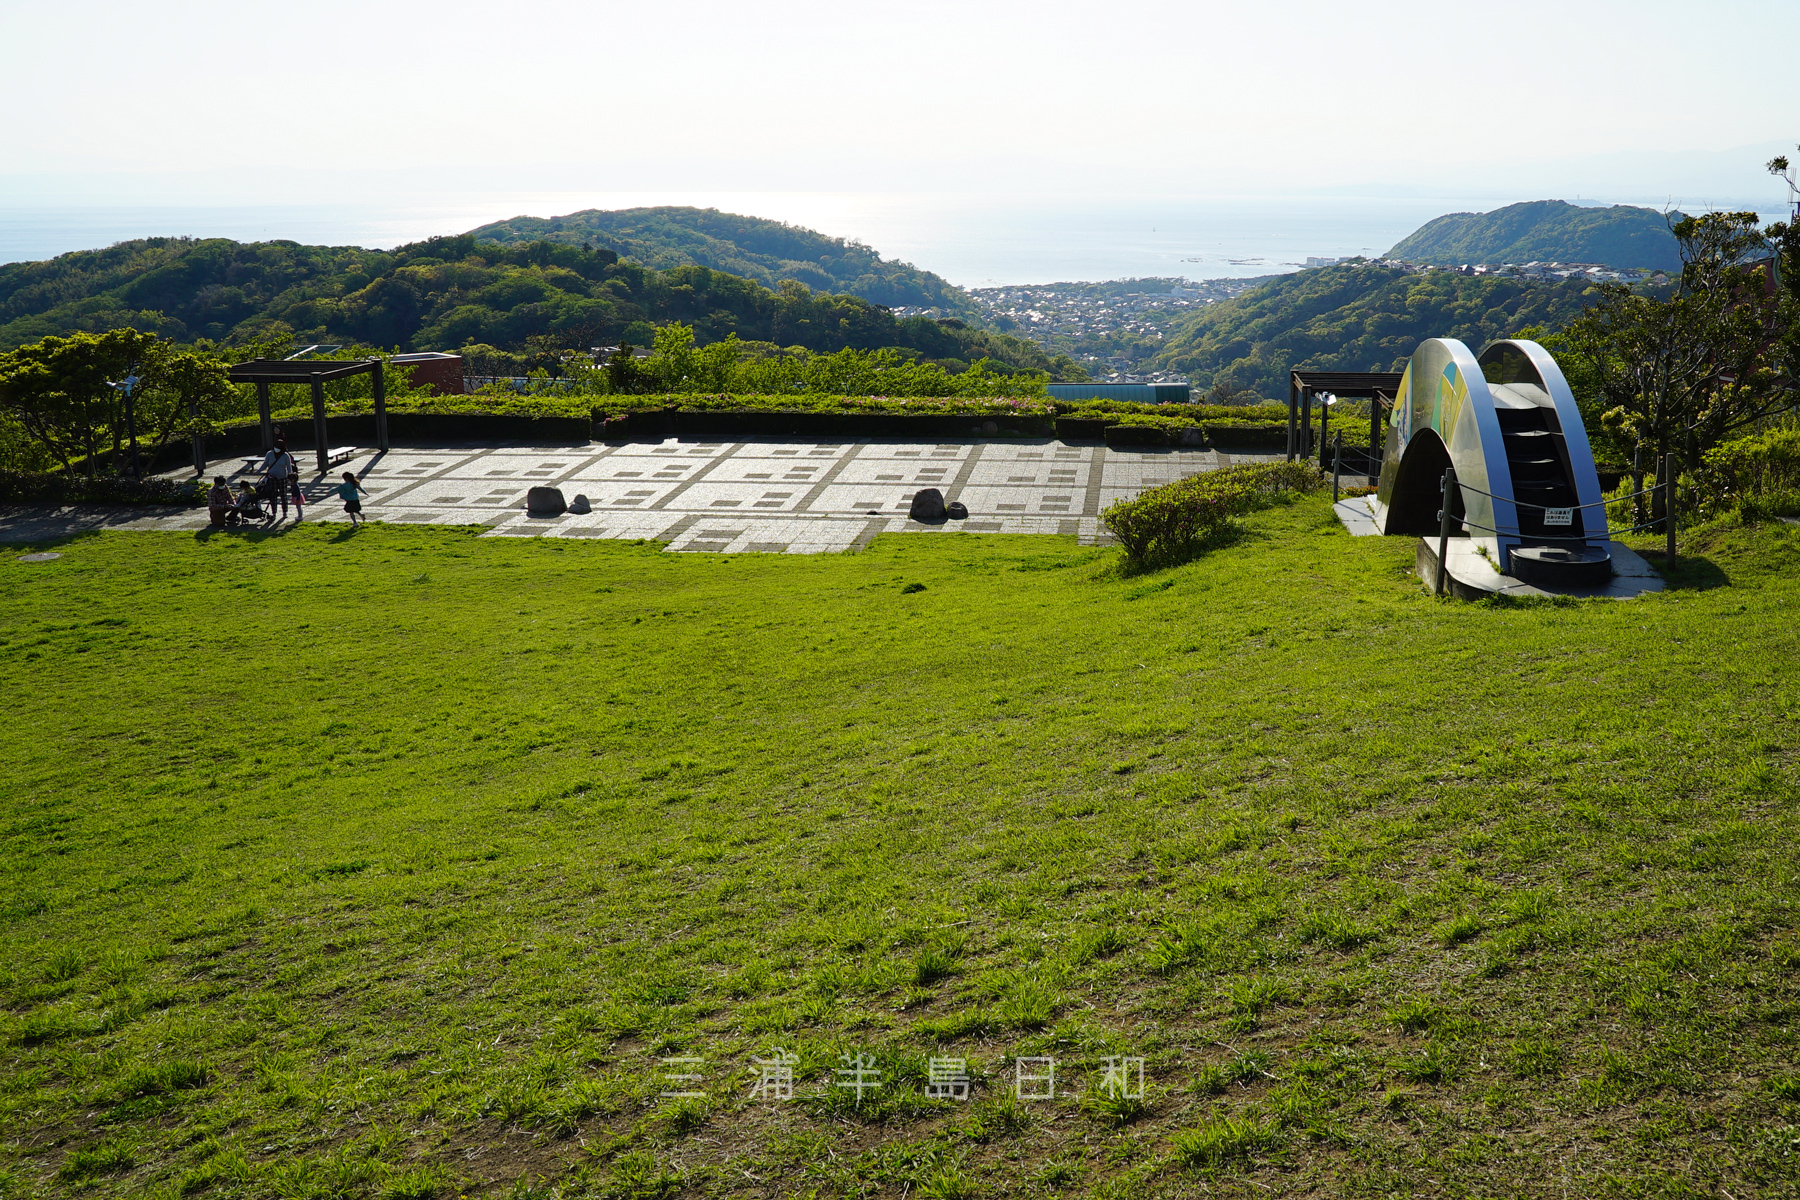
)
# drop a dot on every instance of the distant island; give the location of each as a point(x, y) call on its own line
point(751, 247)
point(1547, 231)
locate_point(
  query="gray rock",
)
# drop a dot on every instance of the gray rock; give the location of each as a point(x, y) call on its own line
point(1193, 435)
point(927, 505)
point(545, 502)
point(990, 428)
point(580, 504)
point(955, 510)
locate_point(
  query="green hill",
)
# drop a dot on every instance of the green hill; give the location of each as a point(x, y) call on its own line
point(755, 248)
point(1546, 231)
point(449, 293)
point(1354, 317)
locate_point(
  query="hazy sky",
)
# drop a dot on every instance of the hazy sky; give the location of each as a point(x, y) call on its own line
point(180, 100)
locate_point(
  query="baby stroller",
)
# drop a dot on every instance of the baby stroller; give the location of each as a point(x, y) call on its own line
point(249, 506)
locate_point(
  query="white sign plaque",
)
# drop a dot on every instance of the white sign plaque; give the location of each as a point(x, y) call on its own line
point(1559, 516)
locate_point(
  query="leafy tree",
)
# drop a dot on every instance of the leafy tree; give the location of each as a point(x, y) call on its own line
point(61, 390)
point(1681, 373)
point(64, 393)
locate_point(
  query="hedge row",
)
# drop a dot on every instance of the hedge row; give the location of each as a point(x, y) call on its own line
point(554, 403)
point(1171, 523)
point(45, 487)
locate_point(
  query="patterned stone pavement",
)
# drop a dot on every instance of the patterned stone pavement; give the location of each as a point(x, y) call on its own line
point(792, 497)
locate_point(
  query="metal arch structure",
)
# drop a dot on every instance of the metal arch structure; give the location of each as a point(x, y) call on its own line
point(1527, 489)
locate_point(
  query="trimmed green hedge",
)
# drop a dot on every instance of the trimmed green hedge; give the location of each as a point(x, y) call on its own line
point(550, 402)
point(607, 406)
point(1172, 523)
point(56, 487)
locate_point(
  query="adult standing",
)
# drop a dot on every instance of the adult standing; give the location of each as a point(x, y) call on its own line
point(292, 480)
point(278, 466)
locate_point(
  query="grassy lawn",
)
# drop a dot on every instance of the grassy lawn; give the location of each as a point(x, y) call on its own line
point(394, 863)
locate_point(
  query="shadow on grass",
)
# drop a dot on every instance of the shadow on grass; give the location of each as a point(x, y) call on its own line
point(1691, 573)
point(247, 533)
point(58, 542)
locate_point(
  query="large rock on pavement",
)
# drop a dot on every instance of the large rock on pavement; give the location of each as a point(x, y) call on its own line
point(545, 502)
point(927, 505)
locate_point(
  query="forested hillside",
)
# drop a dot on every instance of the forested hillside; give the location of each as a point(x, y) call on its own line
point(755, 248)
point(448, 293)
point(1354, 317)
point(1546, 231)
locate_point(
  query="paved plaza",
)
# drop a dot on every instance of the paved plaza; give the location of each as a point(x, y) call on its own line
point(795, 497)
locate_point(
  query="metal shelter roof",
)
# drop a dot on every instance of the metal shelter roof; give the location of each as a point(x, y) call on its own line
point(1349, 383)
point(275, 370)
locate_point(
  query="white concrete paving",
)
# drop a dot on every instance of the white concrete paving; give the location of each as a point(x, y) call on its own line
point(714, 495)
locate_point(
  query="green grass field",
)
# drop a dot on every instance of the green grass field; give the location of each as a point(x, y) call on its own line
point(394, 862)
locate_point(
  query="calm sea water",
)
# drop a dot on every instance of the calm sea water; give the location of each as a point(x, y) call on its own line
point(973, 240)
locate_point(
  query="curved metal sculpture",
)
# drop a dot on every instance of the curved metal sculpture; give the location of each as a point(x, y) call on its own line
point(1526, 489)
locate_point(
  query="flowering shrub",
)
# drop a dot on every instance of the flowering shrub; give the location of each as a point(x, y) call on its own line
point(1174, 522)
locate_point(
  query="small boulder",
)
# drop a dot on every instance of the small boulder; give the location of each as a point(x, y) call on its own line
point(955, 510)
point(545, 502)
point(580, 504)
point(990, 428)
point(927, 505)
point(1193, 435)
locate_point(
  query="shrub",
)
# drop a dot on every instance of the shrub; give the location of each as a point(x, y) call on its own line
point(1171, 523)
point(1759, 475)
point(57, 487)
point(999, 407)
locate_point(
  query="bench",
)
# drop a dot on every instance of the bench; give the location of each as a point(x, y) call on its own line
point(333, 456)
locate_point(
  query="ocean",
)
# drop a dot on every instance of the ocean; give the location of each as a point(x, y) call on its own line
point(971, 239)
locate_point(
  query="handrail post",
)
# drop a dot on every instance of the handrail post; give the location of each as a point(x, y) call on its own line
point(1337, 466)
point(1669, 509)
point(1443, 570)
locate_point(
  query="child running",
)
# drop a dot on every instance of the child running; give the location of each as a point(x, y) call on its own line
point(348, 491)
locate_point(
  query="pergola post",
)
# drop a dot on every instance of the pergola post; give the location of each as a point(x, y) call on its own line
point(1375, 447)
point(320, 435)
point(262, 411)
point(1306, 394)
point(199, 440)
point(1293, 401)
point(381, 432)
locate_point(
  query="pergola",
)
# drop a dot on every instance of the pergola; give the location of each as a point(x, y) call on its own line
point(318, 372)
point(1378, 387)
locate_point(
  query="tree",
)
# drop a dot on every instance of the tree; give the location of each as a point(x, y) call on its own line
point(64, 393)
point(61, 390)
point(1682, 373)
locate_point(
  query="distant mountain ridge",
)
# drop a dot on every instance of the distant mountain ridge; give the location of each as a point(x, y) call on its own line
point(1355, 316)
point(1547, 231)
point(751, 247)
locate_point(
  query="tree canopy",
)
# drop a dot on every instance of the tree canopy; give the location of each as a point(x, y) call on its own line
point(1355, 316)
point(447, 293)
point(1547, 231)
point(753, 247)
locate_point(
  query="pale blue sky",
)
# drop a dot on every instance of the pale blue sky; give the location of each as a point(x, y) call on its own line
point(185, 101)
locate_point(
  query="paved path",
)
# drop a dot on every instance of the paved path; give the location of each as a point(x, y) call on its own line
point(712, 494)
